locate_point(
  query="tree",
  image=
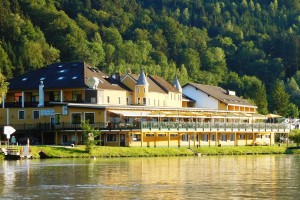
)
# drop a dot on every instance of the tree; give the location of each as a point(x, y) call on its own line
point(279, 99)
point(295, 136)
point(255, 90)
point(293, 111)
point(89, 136)
point(3, 87)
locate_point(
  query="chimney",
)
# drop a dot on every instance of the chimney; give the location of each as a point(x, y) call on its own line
point(41, 94)
point(118, 76)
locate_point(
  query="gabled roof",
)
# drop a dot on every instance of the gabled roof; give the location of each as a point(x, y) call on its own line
point(156, 83)
point(153, 87)
point(64, 75)
point(219, 94)
point(163, 84)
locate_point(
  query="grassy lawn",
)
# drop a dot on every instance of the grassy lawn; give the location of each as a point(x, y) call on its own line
point(79, 151)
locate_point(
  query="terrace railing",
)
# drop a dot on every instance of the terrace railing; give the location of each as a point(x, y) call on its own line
point(215, 126)
point(161, 126)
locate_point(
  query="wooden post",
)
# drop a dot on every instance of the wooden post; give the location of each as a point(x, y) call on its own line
point(194, 139)
point(235, 139)
point(142, 138)
point(155, 133)
point(189, 138)
point(169, 139)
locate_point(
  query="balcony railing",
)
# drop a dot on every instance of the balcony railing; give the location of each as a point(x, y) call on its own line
point(162, 126)
point(26, 104)
point(216, 126)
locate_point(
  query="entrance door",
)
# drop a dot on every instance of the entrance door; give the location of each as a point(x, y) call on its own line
point(122, 140)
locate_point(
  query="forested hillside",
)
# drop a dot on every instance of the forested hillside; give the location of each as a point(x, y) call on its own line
point(250, 46)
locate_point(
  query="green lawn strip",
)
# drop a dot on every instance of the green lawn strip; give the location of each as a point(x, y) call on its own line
point(240, 150)
point(105, 151)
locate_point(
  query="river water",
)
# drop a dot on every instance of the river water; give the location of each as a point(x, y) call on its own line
point(206, 177)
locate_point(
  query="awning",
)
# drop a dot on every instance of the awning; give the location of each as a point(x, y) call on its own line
point(127, 113)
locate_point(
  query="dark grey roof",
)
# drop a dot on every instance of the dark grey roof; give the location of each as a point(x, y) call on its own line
point(64, 75)
point(220, 94)
point(142, 79)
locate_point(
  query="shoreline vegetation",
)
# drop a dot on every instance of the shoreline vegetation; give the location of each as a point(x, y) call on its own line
point(38, 152)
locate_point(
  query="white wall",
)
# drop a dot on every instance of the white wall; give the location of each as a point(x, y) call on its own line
point(202, 99)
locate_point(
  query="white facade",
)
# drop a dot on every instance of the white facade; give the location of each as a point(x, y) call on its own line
point(202, 99)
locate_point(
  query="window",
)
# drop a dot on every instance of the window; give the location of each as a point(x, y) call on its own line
point(223, 137)
point(111, 137)
point(54, 96)
point(144, 90)
point(64, 139)
point(127, 101)
point(185, 137)
point(138, 90)
point(242, 136)
point(231, 137)
point(119, 98)
point(149, 135)
point(108, 100)
point(57, 119)
point(154, 102)
point(18, 97)
point(144, 101)
point(204, 137)
point(267, 136)
point(90, 117)
point(77, 96)
point(34, 97)
point(259, 136)
point(21, 114)
point(250, 137)
point(174, 135)
point(139, 100)
point(213, 138)
point(136, 137)
point(36, 114)
point(76, 118)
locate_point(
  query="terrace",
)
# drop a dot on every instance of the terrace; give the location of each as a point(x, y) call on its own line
point(164, 126)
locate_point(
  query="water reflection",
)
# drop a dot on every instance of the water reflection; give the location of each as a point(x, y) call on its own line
point(234, 177)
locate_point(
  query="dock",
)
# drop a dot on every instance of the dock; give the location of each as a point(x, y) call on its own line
point(11, 153)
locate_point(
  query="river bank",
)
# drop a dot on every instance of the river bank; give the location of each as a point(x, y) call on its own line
point(79, 151)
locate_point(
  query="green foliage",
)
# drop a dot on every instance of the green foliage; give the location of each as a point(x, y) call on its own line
point(212, 40)
point(3, 86)
point(279, 99)
point(293, 111)
point(295, 136)
point(90, 136)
